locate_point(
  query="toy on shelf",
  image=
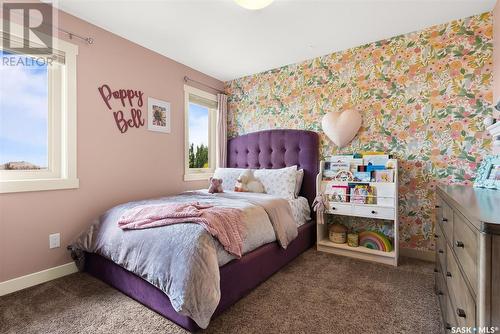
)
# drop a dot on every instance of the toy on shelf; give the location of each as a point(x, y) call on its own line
point(353, 239)
point(337, 233)
point(375, 240)
point(343, 175)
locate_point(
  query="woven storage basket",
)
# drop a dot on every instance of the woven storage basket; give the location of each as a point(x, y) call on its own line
point(337, 234)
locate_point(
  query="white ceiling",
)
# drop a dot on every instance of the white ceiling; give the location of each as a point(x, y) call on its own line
point(221, 39)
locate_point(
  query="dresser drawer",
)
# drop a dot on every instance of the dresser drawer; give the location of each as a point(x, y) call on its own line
point(439, 209)
point(441, 290)
point(339, 208)
point(450, 321)
point(465, 245)
point(446, 221)
point(440, 248)
point(374, 212)
point(463, 303)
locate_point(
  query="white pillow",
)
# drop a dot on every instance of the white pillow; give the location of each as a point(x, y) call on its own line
point(298, 182)
point(228, 176)
point(278, 182)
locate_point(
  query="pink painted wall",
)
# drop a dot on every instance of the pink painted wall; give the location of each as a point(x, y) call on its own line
point(112, 167)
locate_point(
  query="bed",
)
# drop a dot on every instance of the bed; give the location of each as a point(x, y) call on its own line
point(270, 149)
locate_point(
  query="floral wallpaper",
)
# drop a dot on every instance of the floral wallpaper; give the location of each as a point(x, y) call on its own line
point(422, 96)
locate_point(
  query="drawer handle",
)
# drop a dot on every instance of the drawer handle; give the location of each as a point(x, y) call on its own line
point(445, 219)
point(461, 313)
point(374, 212)
point(436, 270)
point(448, 327)
point(440, 251)
point(448, 274)
point(436, 236)
point(459, 244)
point(334, 208)
point(437, 206)
point(440, 293)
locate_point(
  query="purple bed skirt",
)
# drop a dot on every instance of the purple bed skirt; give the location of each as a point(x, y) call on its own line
point(237, 278)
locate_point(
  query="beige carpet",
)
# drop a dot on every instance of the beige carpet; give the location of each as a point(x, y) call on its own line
point(316, 293)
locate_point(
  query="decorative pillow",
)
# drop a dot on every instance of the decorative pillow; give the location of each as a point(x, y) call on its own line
point(278, 182)
point(298, 182)
point(228, 177)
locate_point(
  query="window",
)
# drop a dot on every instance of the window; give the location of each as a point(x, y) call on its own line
point(200, 119)
point(38, 119)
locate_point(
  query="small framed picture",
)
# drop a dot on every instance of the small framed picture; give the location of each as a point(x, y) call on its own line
point(158, 115)
point(488, 174)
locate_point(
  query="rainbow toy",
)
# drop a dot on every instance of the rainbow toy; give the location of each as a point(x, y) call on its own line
point(375, 240)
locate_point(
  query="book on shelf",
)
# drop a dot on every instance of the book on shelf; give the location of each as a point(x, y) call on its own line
point(332, 168)
point(386, 175)
point(355, 163)
point(376, 160)
point(362, 194)
point(363, 153)
point(338, 193)
point(347, 159)
point(340, 158)
point(362, 176)
point(371, 168)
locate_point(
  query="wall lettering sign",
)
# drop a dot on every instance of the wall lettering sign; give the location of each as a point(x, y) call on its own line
point(127, 98)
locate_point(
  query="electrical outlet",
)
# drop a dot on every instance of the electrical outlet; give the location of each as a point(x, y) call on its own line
point(55, 240)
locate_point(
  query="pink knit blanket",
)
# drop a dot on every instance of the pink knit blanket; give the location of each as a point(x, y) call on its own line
point(222, 223)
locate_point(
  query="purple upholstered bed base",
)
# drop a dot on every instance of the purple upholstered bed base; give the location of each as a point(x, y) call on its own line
point(265, 149)
point(237, 278)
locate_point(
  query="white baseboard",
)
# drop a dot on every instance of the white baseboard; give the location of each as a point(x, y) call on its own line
point(43, 276)
point(418, 254)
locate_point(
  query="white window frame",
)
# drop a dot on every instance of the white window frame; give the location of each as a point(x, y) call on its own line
point(197, 174)
point(62, 127)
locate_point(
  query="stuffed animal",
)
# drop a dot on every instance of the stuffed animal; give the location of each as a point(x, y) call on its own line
point(215, 186)
point(247, 182)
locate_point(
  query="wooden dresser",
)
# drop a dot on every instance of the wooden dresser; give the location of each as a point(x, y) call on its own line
point(467, 270)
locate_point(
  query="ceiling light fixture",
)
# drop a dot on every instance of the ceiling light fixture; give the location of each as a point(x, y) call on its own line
point(253, 4)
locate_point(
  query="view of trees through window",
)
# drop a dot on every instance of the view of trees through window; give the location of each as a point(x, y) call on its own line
point(198, 136)
point(23, 114)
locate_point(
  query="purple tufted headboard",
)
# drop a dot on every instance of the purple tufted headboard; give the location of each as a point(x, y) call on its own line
point(273, 149)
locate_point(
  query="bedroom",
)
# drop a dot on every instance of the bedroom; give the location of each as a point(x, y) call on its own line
point(113, 125)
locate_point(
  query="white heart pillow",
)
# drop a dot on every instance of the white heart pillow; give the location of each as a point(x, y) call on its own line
point(341, 127)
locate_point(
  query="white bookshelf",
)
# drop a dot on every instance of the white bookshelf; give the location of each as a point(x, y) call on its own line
point(386, 208)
